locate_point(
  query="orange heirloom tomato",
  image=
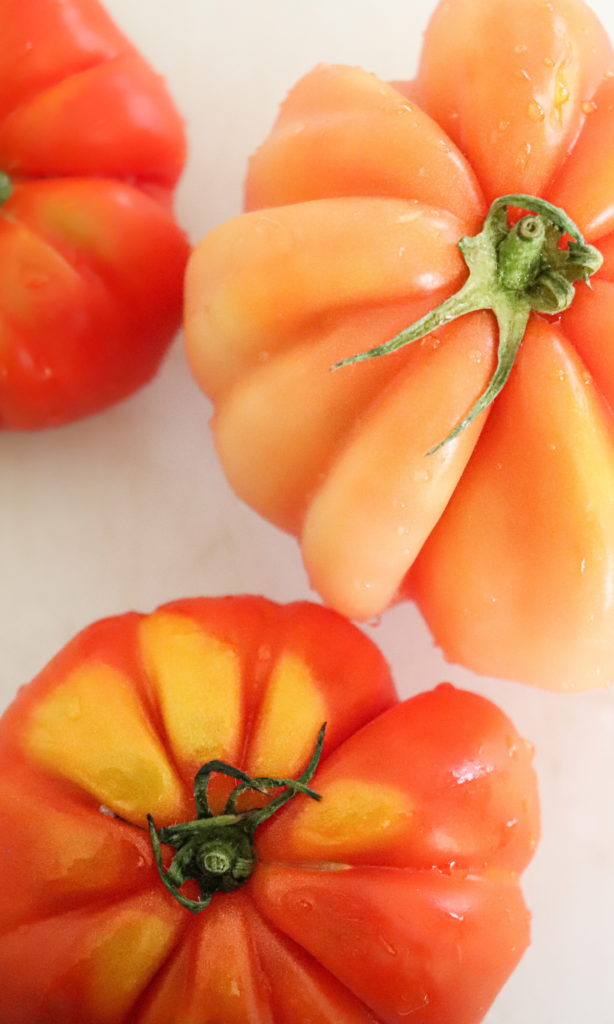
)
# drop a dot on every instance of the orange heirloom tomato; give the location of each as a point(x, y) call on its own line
point(386, 889)
point(504, 534)
point(92, 260)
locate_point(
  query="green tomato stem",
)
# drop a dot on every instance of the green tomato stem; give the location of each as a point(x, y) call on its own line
point(512, 271)
point(217, 851)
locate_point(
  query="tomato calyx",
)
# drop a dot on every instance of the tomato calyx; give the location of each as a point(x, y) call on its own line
point(513, 270)
point(217, 851)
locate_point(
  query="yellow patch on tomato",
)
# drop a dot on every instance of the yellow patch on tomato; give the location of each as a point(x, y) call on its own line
point(197, 679)
point(291, 716)
point(125, 961)
point(353, 817)
point(92, 730)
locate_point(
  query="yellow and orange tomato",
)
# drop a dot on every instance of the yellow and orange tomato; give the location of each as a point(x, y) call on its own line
point(396, 893)
point(356, 202)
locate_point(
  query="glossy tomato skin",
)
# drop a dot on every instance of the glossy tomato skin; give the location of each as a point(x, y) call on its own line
point(397, 893)
point(92, 258)
point(355, 204)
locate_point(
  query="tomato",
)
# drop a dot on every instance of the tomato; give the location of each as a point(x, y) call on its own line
point(388, 888)
point(92, 259)
point(503, 535)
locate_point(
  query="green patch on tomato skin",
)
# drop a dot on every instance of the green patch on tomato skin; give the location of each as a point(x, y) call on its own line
point(5, 187)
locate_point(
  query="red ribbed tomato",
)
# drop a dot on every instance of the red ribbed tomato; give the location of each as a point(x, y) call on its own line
point(92, 260)
point(504, 535)
point(386, 889)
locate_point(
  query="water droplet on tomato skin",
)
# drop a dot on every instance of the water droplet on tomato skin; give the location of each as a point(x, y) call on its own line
point(410, 1004)
point(589, 107)
point(390, 949)
point(535, 112)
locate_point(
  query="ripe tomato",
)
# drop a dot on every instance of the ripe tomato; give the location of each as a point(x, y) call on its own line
point(92, 260)
point(357, 200)
point(394, 894)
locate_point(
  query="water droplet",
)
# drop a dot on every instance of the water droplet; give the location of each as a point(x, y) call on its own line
point(589, 107)
point(549, 62)
point(523, 157)
point(411, 1003)
point(407, 218)
point(402, 530)
point(391, 950)
point(503, 126)
point(535, 112)
point(421, 476)
point(475, 355)
point(395, 107)
point(609, 74)
point(521, 48)
point(561, 93)
point(306, 904)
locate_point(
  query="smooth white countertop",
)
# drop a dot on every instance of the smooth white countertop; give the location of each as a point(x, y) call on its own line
point(130, 509)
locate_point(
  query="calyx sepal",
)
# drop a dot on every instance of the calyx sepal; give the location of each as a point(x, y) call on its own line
point(513, 270)
point(217, 851)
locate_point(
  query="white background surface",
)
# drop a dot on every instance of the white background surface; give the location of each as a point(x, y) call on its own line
point(130, 509)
